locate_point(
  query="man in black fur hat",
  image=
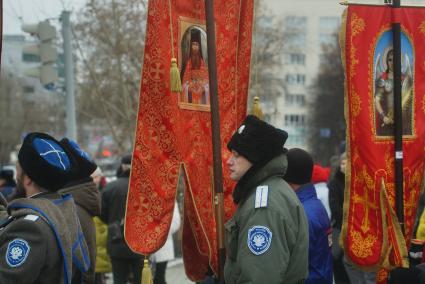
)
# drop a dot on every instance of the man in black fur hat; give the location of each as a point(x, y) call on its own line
point(86, 197)
point(41, 240)
point(267, 238)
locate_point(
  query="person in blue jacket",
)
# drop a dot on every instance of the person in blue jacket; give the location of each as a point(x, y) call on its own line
point(298, 176)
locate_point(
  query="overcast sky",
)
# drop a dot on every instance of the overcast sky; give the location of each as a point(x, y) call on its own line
point(16, 12)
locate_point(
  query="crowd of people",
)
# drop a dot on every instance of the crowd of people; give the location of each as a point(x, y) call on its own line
point(60, 222)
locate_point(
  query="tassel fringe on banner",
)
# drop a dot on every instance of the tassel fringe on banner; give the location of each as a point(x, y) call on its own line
point(175, 82)
point(146, 272)
point(256, 108)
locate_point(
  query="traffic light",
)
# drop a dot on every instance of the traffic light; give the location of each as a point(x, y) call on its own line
point(44, 50)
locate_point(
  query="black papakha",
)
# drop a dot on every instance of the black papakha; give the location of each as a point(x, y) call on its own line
point(257, 140)
point(44, 161)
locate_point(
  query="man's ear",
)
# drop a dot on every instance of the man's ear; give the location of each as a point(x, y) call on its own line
point(27, 181)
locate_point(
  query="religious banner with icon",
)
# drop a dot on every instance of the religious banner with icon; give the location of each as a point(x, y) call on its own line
point(371, 235)
point(173, 135)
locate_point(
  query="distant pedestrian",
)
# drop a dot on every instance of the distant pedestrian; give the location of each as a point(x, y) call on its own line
point(7, 184)
point(41, 242)
point(124, 261)
point(320, 180)
point(166, 252)
point(267, 238)
point(336, 201)
point(298, 175)
point(103, 261)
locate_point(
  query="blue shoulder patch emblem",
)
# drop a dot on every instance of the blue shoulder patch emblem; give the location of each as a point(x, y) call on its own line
point(259, 239)
point(17, 252)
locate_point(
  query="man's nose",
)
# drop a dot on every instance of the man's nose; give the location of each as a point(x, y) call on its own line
point(229, 161)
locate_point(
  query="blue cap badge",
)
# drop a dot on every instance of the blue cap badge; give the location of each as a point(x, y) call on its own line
point(51, 152)
point(259, 239)
point(17, 252)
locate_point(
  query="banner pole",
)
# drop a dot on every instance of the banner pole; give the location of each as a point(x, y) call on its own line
point(398, 119)
point(216, 141)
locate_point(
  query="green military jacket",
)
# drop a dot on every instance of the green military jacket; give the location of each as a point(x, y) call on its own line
point(267, 238)
point(42, 241)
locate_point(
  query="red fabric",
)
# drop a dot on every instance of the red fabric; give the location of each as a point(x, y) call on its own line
point(371, 233)
point(174, 135)
point(320, 174)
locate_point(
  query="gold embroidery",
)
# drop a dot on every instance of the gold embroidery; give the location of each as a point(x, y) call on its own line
point(357, 26)
point(364, 201)
point(422, 27)
point(355, 103)
point(362, 247)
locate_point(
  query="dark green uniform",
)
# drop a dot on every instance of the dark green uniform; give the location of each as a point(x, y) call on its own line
point(40, 243)
point(267, 238)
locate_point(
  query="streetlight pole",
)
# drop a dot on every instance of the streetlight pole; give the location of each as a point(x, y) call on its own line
point(71, 124)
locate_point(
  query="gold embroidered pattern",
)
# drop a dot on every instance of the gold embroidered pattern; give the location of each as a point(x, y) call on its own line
point(362, 247)
point(357, 26)
point(422, 27)
point(365, 178)
point(355, 103)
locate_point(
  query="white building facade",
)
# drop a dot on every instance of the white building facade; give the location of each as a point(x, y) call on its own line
point(307, 25)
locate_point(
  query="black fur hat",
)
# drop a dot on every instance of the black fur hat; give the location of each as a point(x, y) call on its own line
point(257, 140)
point(300, 167)
point(82, 165)
point(43, 159)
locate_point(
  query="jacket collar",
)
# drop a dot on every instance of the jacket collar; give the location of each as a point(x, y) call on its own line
point(257, 174)
point(306, 191)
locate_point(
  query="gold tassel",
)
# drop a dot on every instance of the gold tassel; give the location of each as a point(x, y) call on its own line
point(256, 108)
point(146, 272)
point(176, 85)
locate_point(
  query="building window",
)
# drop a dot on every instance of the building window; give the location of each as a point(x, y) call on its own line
point(295, 100)
point(329, 24)
point(328, 38)
point(295, 79)
point(295, 120)
point(296, 40)
point(296, 23)
point(300, 100)
point(295, 58)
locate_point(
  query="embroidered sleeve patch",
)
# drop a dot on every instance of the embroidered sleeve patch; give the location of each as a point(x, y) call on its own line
point(259, 239)
point(17, 252)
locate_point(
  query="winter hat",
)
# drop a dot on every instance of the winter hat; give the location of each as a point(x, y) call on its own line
point(82, 165)
point(300, 166)
point(7, 176)
point(126, 160)
point(257, 140)
point(44, 161)
point(320, 174)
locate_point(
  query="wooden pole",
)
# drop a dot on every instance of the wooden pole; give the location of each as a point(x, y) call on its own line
point(398, 119)
point(216, 141)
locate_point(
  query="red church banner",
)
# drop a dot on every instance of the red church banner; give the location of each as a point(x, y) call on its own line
point(173, 134)
point(371, 234)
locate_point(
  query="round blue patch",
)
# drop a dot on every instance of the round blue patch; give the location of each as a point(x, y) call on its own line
point(259, 239)
point(51, 152)
point(17, 252)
